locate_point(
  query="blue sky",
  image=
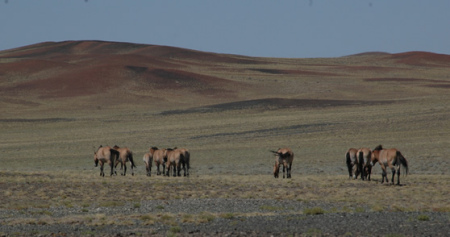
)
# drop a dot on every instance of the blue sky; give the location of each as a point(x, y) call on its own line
point(294, 29)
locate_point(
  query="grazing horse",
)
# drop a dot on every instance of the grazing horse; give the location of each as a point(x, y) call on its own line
point(159, 157)
point(364, 160)
point(148, 160)
point(352, 163)
point(105, 155)
point(389, 157)
point(174, 159)
point(125, 155)
point(185, 161)
point(284, 156)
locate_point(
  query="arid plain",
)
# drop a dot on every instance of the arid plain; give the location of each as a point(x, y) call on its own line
point(61, 100)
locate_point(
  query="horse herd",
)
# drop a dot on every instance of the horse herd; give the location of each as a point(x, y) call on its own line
point(360, 162)
point(173, 159)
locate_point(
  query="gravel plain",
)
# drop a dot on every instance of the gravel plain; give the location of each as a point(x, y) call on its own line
point(225, 217)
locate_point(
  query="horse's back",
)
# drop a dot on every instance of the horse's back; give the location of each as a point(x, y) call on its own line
point(286, 153)
point(174, 155)
point(351, 153)
point(147, 158)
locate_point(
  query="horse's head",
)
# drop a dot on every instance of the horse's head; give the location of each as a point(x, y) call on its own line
point(153, 149)
point(378, 148)
point(276, 170)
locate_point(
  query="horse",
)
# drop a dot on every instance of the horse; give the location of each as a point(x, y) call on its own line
point(174, 159)
point(148, 159)
point(284, 156)
point(389, 157)
point(159, 157)
point(105, 155)
point(352, 163)
point(125, 155)
point(364, 159)
point(186, 156)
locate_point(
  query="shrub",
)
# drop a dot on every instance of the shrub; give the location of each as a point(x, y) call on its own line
point(423, 218)
point(314, 211)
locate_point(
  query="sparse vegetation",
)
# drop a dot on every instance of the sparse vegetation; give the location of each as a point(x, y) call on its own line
point(423, 218)
point(229, 114)
point(314, 211)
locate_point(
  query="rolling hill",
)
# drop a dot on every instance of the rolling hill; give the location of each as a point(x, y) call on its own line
point(87, 75)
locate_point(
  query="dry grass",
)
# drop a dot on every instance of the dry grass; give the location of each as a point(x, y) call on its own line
point(21, 191)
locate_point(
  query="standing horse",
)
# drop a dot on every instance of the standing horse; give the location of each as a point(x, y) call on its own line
point(125, 155)
point(159, 157)
point(389, 157)
point(105, 155)
point(174, 159)
point(364, 160)
point(352, 163)
point(284, 156)
point(186, 156)
point(148, 160)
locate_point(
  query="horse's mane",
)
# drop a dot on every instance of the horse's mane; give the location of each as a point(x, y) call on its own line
point(154, 148)
point(170, 149)
point(116, 146)
point(378, 148)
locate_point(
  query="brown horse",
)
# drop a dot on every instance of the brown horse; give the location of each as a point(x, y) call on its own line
point(185, 161)
point(125, 155)
point(284, 156)
point(159, 157)
point(105, 155)
point(148, 160)
point(389, 157)
point(364, 160)
point(174, 159)
point(352, 163)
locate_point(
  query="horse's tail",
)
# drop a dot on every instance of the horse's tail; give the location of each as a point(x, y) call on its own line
point(361, 163)
point(130, 157)
point(187, 157)
point(402, 160)
point(115, 155)
point(348, 159)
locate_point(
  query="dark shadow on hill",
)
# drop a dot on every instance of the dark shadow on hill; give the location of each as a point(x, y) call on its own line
point(274, 104)
point(277, 131)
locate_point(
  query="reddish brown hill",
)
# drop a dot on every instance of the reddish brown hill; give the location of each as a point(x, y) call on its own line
point(421, 58)
point(82, 68)
point(97, 73)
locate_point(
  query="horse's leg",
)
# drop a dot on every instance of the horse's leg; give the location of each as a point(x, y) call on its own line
point(350, 168)
point(288, 171)
point(168, 169)
point(132, 170)
point(183, 163)
point(124, 168)
point(383, 172)
point(369, 171)
point(179, 169)
point(356, 171)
